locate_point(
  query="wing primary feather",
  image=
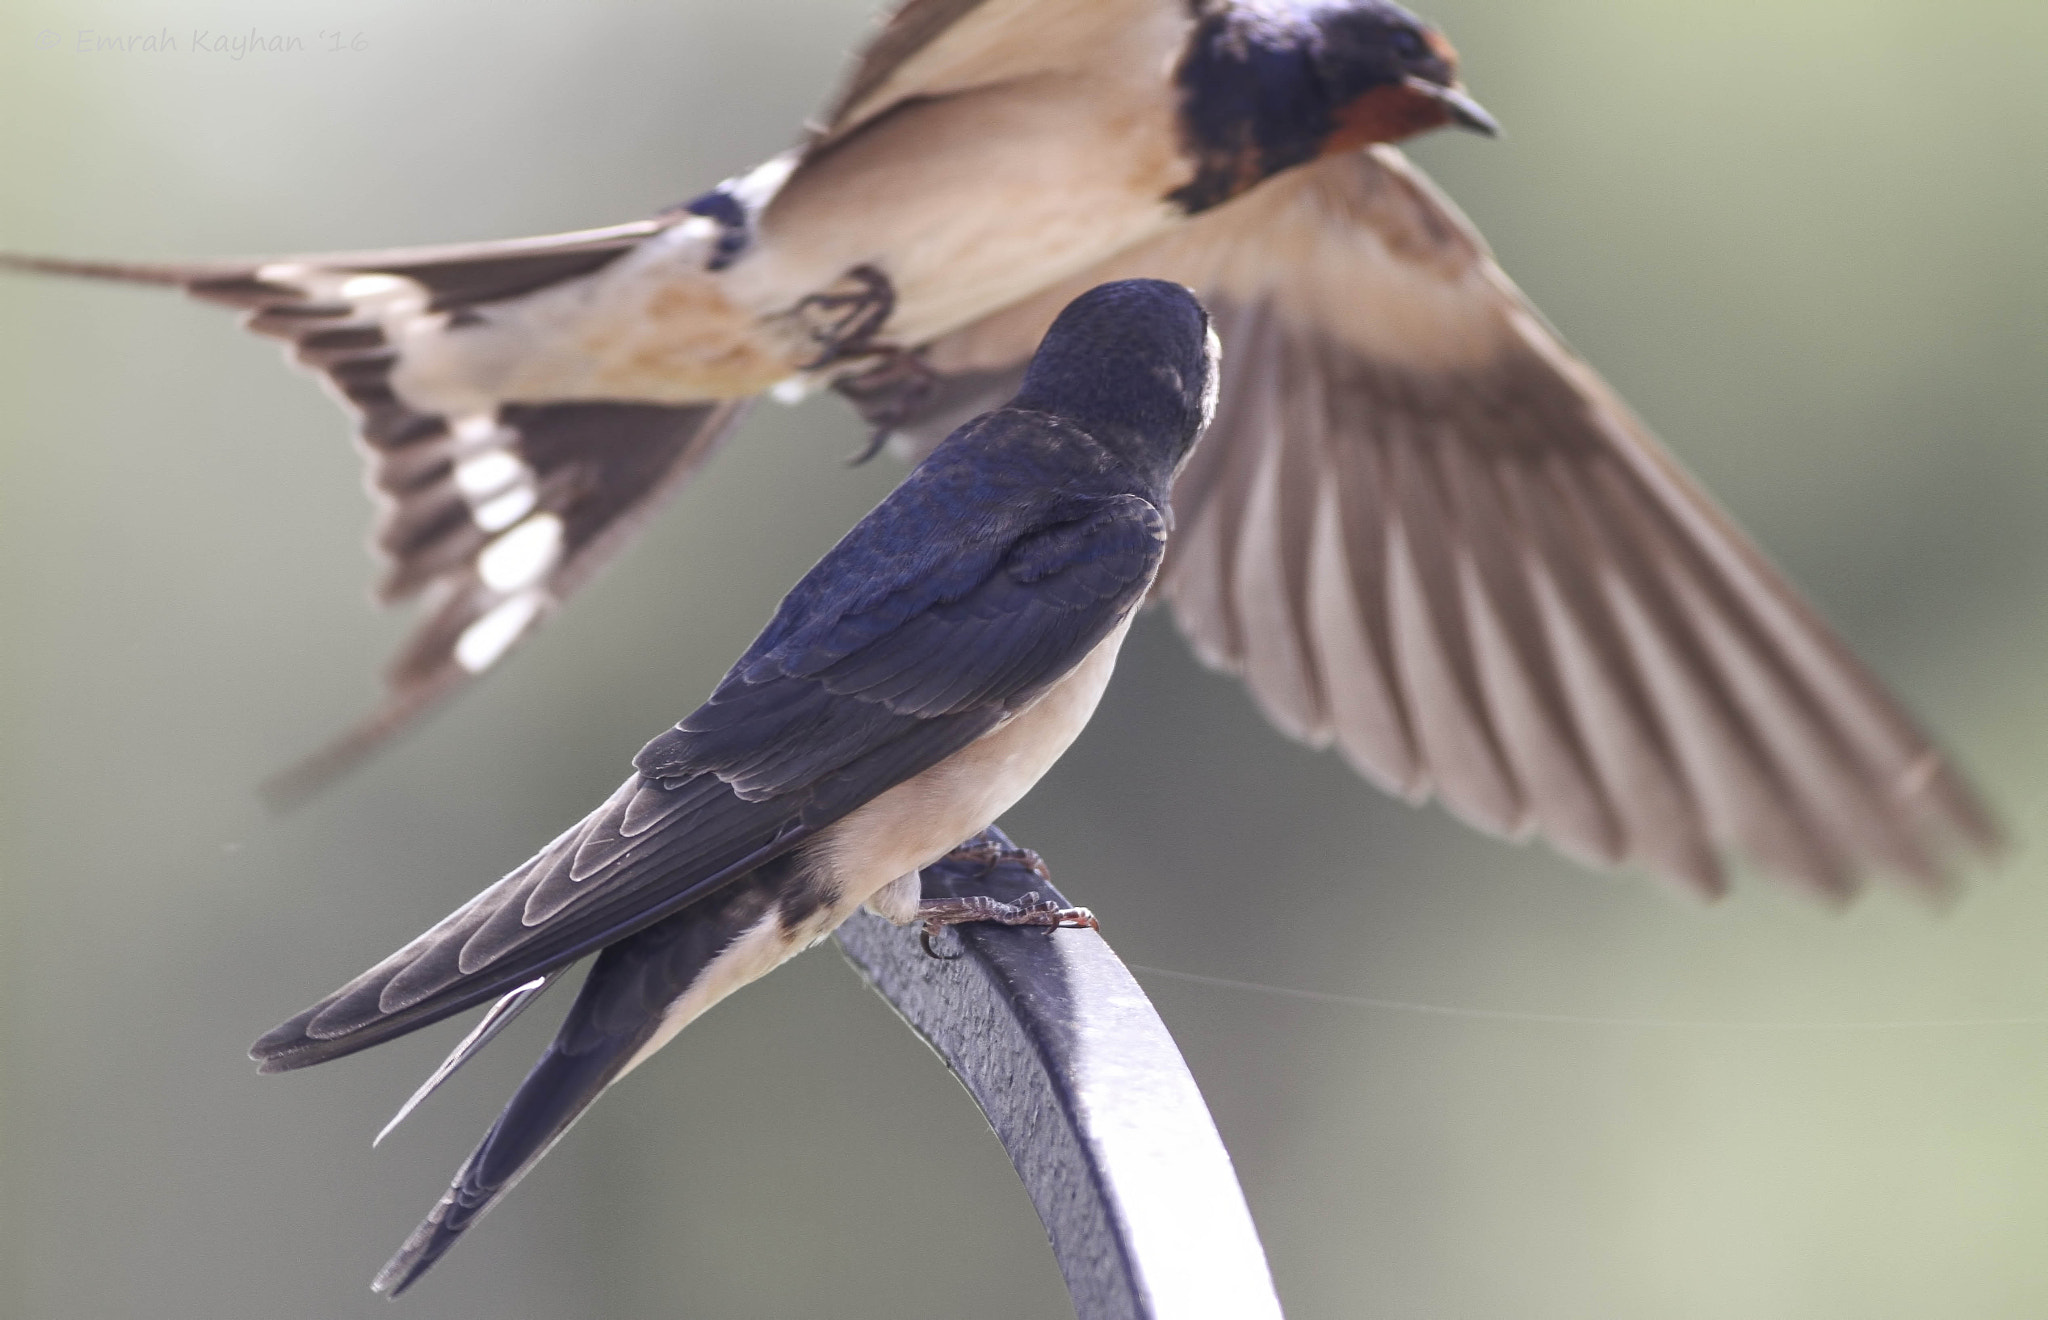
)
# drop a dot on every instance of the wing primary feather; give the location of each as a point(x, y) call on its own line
point(1538, 727)
point(1270, 569)
point(292, 1046)
point(1384, 739)
point(1367, 721)
point(1792, 730)
point(1742, 787)
point(1626, 734)
point(1438, 667)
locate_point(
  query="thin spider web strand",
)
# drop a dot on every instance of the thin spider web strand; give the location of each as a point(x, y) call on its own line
point(1575, 1019)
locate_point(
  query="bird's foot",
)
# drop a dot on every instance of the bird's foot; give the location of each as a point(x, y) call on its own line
point(939, 913)
point(990, 855)
point(888, 394)
point(844, 320)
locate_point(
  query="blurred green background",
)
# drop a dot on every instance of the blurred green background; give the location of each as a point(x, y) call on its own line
point(1804, 237)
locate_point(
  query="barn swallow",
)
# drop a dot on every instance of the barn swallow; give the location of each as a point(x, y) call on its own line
point(910, 689)
point(1424, 533)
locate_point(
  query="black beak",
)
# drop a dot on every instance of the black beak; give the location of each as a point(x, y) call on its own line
point(1465, 112)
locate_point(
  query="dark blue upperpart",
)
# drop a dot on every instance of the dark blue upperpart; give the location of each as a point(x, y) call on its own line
point(1116, 396)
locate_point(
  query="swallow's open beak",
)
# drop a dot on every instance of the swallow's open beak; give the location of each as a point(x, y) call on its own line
point(1464, 111)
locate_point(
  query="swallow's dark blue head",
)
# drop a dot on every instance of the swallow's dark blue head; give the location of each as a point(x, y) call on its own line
point(1389, 76)
point(1134, 364)
point(1270, 84)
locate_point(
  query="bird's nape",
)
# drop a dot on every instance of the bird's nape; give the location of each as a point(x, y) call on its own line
point(1133, 361)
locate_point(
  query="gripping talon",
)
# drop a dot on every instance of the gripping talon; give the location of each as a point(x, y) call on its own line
point(924, 937)
point(939, 913)
point(1029, 909)
point(849, 321)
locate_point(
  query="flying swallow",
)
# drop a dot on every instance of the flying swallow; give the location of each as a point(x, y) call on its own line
point(911, 688)
point(1424, 532)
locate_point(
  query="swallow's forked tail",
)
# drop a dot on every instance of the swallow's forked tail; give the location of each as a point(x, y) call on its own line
point(639, 993)
point(492, 510)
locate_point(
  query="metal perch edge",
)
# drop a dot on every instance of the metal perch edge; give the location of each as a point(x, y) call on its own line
point(1054, 1039)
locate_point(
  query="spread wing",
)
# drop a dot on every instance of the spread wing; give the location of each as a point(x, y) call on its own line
point(1424, 531)
point(492, 518)
point(867, 677)
point(933, 48)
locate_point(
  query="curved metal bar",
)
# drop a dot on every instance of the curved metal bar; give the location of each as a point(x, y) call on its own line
point(1053, 1038)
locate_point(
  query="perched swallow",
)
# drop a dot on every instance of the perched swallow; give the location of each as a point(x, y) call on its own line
point(1424, 531)
point(910, 689)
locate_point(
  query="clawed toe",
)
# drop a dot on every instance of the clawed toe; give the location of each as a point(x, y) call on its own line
point(1028, 910)
point(1077, 919)
point(992, 855)
point(844, 320)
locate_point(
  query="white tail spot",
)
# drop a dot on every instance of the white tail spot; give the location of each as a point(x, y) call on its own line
point(485, 475)
point(358, 287)
point(497, 514)
point(484, 642)
point(522, 556)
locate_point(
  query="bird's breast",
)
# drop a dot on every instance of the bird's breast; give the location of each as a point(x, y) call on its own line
point(924, 818)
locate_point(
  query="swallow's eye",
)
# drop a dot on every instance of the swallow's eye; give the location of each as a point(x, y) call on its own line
point(1409, 45)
